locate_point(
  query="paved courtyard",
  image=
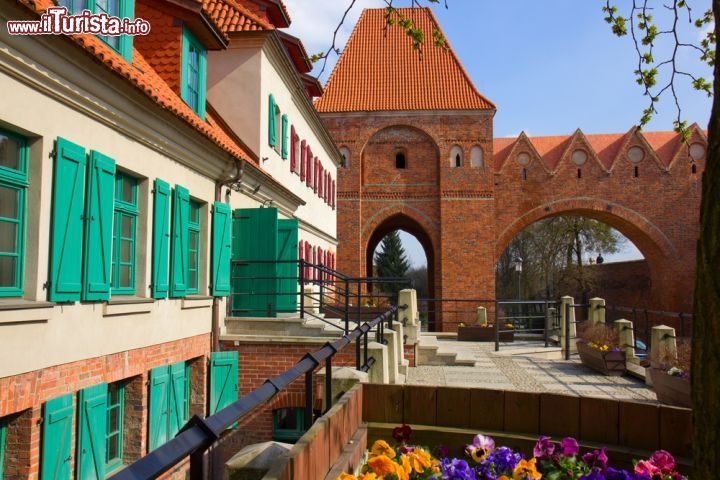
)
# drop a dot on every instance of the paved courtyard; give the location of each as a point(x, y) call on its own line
point(521, 368)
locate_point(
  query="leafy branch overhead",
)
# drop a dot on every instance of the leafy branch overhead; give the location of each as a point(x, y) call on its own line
point(394, 18)
point(648, 26)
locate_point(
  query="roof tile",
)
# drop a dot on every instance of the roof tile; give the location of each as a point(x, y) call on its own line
point(380, 70)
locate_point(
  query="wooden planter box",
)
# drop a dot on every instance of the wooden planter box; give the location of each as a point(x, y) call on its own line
point(608, 363)
point(476, 333)
point(671, 390)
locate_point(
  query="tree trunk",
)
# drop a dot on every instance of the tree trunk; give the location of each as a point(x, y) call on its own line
point(706, 327)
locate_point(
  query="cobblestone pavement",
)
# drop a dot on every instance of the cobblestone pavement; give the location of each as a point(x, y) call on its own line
point(526, 372)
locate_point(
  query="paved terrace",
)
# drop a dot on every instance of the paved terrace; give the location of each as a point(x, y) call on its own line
point(521, 366)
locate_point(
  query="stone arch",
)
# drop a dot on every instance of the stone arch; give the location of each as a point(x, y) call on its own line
point(421, 152)
point(659, 252)
point(410, 220)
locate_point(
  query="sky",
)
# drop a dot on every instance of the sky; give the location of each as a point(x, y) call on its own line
point(550, 66)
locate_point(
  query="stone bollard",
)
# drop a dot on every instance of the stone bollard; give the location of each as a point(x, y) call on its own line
point(309, 300)
point(409, 316)
point(626, 338)
point(343, 379)
point(392, 339)
point(550, 316)
point(379, 372)
point(597, 311)
point(567, 300)
point(663, 345)
point(481, 316)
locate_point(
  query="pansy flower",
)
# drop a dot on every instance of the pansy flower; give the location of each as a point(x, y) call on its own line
point(481, 447)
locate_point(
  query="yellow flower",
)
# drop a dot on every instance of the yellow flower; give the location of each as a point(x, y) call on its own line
point(503, 477)
point(420, 460)
point(406, 464)
point(526, 469)
point(381, 447)
point(345, 476)
point(368, 476)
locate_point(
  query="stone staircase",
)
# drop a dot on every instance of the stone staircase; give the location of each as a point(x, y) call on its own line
point(430, 352)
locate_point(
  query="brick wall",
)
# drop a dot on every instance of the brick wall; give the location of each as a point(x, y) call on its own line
point(22, 397)
point(465, 217)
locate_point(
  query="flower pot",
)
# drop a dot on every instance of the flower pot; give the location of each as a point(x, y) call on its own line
point(670, 389)
point(610, 363)
point(476, 333)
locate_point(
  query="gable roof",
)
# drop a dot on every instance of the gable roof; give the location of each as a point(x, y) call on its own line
point(379, 70)
point(233, 16)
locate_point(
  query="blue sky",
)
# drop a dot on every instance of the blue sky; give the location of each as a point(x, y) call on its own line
point(550, 66)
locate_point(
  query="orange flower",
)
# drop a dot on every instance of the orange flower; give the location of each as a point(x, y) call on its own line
point(406, 464)
point(420, 460)
point(369, 476)
point(346, 476)
point(384, 466)
point(526, 469)
point(381, 447)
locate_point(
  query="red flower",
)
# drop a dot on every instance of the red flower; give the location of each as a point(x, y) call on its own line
point(402, 434)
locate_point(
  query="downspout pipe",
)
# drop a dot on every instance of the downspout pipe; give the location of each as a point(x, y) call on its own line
point(219, 185)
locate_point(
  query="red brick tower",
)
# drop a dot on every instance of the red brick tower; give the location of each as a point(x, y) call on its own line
point(417, 137)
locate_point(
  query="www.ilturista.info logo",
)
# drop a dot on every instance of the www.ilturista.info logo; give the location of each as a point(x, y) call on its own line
point(56, 21)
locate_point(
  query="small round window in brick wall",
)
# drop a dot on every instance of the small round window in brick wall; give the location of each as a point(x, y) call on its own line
point(579, 157)
point(523, 159)
point(636, 154)
point(697, 151)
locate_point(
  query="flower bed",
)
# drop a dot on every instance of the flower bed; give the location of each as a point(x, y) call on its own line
point(672, 386)
point(599, 349)
point(483, 461)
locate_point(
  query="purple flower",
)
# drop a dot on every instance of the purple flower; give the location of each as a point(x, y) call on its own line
point(544, 448)
point(594, 475)
point(612, 474)
point(481, 447)
point(405, 450)
point(456, 469)
point(402, 433)
point(597, 458)
point(569, 447)
point(442, 451)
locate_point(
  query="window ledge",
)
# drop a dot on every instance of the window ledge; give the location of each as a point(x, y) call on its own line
point(128, 306)
point(196, 301)
point(16, 310)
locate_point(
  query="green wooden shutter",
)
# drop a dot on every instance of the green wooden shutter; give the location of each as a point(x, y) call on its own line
point(159, 394)
point(55, 459)
point(178, 409)
point(92, 430)
point(3, 434)
point(284, 150)
point(66, 227)
point(180, 251)
point(221, 250)
point(287, 272)
point(271, 122)
point(161, 239)
point(223, 380)
point(100, 198)
point(254, 238)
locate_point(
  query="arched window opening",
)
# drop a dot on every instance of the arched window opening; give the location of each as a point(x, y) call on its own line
point(400, 161)
point(345, 152)
point(524, 174)
point(456, 157)
point(476, 157)
point(637, 172)
point(579, 172)
point(694, 168)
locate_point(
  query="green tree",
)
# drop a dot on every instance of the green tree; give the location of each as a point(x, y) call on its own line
point(391, 262)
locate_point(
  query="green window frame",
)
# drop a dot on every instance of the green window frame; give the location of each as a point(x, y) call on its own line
point(13, 188)
point(114, 8)
point(193, 73)
point(124, 234)
point(194, 248)
point(288, 424)
point(115, 420)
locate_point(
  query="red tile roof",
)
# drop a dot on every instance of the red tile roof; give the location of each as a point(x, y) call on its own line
point(380, 70)
point(606, 146)
point(233, 16)
point(142, 76)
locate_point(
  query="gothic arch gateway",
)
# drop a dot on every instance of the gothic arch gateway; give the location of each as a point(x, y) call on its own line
point(466, 193)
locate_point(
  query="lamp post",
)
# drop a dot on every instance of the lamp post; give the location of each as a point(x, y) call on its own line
point(517, 263)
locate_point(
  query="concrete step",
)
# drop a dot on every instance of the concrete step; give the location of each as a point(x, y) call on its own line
point(430, 352)
point(288, 326)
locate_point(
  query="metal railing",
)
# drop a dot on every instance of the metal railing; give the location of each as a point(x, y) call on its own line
point(199, 434)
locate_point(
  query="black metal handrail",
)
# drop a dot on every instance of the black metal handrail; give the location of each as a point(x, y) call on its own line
point(199, 434)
